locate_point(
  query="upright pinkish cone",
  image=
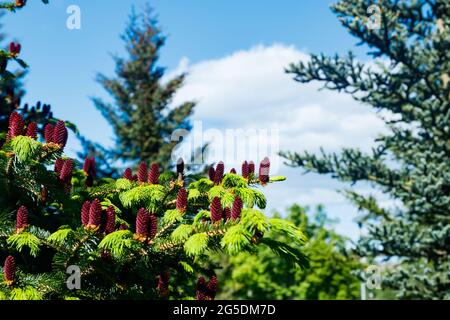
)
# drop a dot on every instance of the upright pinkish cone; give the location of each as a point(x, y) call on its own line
point(60, 134)
point(226, 215)
point(95, 214)
point(220, 169)
point(110, 220)
point(85, 213)
point(16, 125)
point(32, 130)
point(152, 226)
point(264, 170)
point(163, 283)
point(237, 208)
point(142, 222)
point(233, 171)
point(153, 176)
point(66, 171)
point(201, 289)
point(89, 169)
point(216, 210)
point(251, 167)
point(182, 199)
point(21, 219)
point(211, 173)
point(128, 174)
point(59, 163)
point(9, 270)
point(48, 133)
point(142, 172)
point(245, 170)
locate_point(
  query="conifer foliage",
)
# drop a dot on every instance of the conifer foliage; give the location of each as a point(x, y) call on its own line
point(148, 235)
point(410, 163)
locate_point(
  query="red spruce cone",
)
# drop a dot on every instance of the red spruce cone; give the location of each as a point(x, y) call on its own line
point(16, 125)
point(85, 213)
point(89, 168)
point(142, 222)
point(233, 171)
point(152, 226)
point(21, 219)
point(212, 287)
point(211, 173)
point(128, 174)
point(60, 134)
point(66, 171)
point(95, 214)
point(15, 48)
point(182, 199)
point(110, 220)
point(245, 170)
point(251, 167)
point(32, 130)
point(264, 169)
point(226, 214)
point(59, 163)
point(153, 176)
point(237, 208)
point(9, 270)
point(163, 284)
point(201, 289)
point(216, 210)
point(48, 133)
point(142, 172)
point(220, 169)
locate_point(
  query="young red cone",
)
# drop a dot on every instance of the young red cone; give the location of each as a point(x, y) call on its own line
point(128, 174)
point(152, 226)
point(163, 283)
point(220, 169)
point(245, 170)
point(59, 163)
point(48, 133)
point(142, 172)
point(216, 210)
point(89, 169)
point(16, 125)
point(182, 199)
point(60, 134)
point(85, 213)
point(142, 222)
point(15, 48)
point(264, 170)
point(226, 214)
point(66, 171)
point(233, 171)
point(211, 173)
point(95, 214)
point(110, 220)
point(21, 219)
point(32, 130)
point(237, 208)
point(212, 287)
point(9, 270)
point(251, 167)
point(201, 289)
point(153, 176)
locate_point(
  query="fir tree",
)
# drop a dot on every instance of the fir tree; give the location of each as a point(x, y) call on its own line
point(143, 236)
point(140, 114)
point(411, 162)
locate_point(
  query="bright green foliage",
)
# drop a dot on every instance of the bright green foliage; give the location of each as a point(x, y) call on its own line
point(141, 114)
point(411, 162)
point(266, 275)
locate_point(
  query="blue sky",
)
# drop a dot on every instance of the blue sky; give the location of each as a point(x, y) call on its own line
point(203, 35)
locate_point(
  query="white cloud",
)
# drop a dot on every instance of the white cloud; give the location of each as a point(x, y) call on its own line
point(250, 90)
